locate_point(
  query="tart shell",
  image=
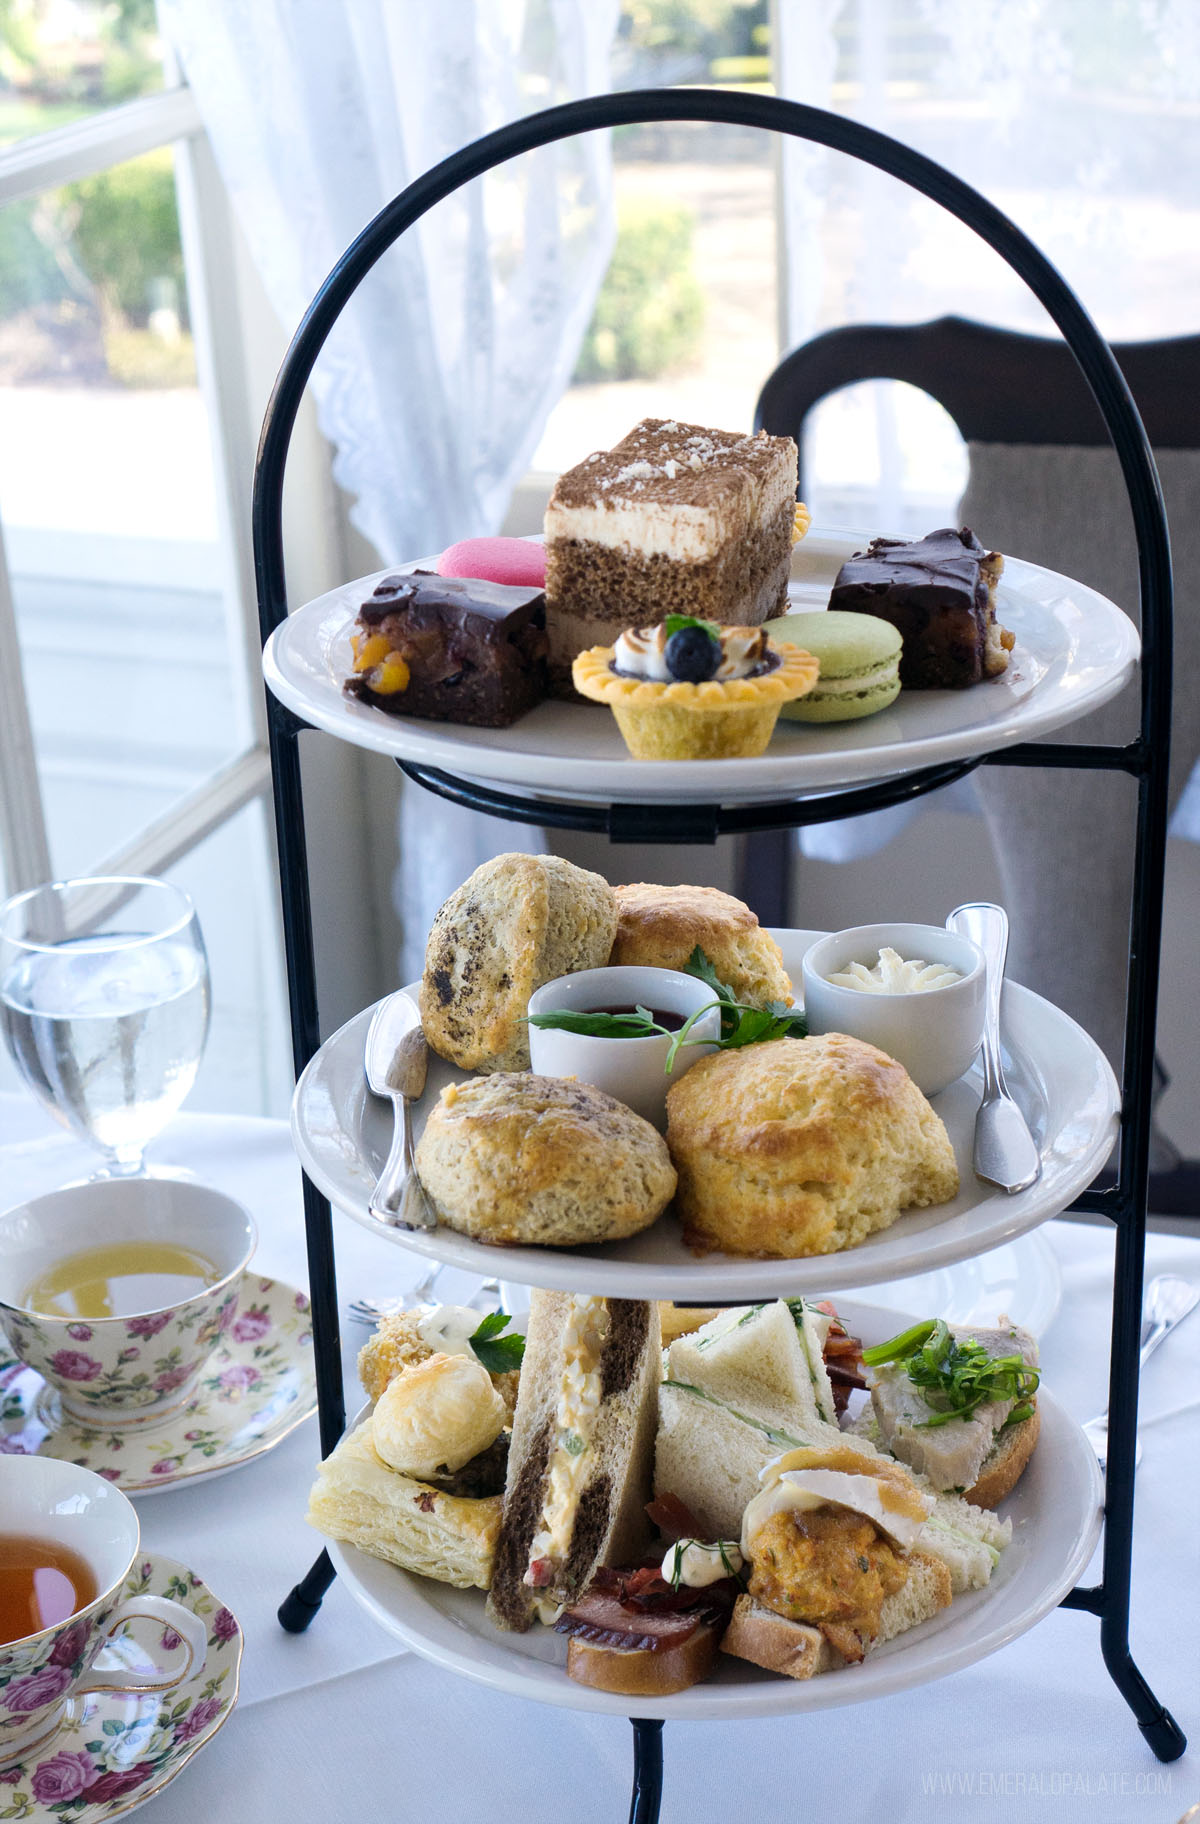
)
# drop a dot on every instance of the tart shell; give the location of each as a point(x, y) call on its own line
point(714, 720)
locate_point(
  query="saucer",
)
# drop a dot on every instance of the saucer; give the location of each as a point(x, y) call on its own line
point(257, 1388)
point(116, 1749)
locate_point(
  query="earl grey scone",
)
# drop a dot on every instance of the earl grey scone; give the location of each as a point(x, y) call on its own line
point(545, 1160)
point(518, 922)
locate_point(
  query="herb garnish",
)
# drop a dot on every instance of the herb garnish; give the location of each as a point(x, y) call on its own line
point(740, 1024)
point(675, 623)
point(957, 1376)
point(498, 1353)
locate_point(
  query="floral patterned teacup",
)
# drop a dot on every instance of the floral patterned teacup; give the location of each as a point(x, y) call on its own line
point(115, 1371)
point(70, 1507)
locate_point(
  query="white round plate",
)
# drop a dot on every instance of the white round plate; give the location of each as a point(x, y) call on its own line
point(1059, 1074)
point(1074, 651)
point(1055, 1510)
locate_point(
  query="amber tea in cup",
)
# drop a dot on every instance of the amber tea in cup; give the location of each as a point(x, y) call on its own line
point(120, 1279)
point(42, 1583)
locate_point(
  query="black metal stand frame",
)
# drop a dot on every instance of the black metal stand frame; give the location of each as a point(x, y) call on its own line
point(1146, 759)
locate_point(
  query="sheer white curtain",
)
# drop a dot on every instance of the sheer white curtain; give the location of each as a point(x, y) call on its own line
point(436, 382)
point(1081, 122)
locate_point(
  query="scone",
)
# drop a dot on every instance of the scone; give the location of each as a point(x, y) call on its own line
point(519, 921)
point(659, 927)
point(547, 1160)
point(802, 1146)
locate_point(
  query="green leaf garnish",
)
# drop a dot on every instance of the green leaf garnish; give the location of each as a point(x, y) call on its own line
point(675, 623)
point(639, 1025)
point(499, 1354)
point(740, 1024)
point(956, 1376)
point(780, 1022)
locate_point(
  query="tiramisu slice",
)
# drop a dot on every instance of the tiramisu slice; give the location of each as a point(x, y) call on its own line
point(675, 519)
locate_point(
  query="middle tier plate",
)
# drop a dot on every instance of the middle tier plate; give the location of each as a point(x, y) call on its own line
point(1059, 1075)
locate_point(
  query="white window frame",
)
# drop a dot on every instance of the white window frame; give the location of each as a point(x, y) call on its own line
point(44, 162)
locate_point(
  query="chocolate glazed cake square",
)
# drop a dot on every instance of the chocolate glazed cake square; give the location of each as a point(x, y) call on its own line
point(674, 519)
point(939, 593)
point(450, 649)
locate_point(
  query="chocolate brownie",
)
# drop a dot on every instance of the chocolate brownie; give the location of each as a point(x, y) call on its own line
point(939, 592)
point(450, 649)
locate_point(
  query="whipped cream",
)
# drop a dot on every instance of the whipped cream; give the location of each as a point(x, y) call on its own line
point(892, 974)
point(640, 652)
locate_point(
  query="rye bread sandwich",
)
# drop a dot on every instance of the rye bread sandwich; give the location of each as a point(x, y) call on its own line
point(580, 1461)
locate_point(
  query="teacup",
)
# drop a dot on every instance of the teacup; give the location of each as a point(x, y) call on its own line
point(632, 1070)
point(61, 1505)
point(114, 1371)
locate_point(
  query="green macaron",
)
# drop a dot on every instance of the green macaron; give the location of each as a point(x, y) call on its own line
point(860, 663)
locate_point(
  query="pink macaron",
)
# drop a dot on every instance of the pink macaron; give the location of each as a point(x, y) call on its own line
point(518, 562)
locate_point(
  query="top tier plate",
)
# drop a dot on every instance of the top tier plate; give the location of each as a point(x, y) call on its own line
point(1074, 650)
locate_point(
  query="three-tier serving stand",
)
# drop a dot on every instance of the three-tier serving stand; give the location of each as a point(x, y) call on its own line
point(1145, 759)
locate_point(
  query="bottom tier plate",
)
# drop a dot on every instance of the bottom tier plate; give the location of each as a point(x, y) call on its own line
point(1056, 1515)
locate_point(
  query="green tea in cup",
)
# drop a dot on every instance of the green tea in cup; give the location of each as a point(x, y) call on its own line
point(120, 1279)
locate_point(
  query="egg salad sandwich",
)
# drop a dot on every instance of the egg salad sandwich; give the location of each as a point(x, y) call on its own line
point(581, 1455)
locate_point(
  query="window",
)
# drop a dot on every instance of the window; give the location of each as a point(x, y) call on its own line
point(125, 588)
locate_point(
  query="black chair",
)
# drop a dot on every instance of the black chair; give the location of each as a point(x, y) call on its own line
point(1044, 485)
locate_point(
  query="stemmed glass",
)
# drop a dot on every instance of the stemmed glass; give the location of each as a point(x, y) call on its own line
point(104, 1005)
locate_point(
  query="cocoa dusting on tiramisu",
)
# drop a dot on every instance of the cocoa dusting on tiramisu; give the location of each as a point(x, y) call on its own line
point(674, 519)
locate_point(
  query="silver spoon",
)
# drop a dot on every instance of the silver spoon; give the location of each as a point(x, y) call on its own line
point(1006, 1153)
point(396, 1061)
point(1168, 1301)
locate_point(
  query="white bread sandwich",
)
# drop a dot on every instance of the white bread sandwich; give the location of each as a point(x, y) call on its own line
point(752, 1384)
point(833, 1540)
point(580, 1461)
point(743, 1388)
point(957, 1404)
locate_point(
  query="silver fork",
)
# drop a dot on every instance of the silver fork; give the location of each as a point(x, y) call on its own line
point(1168, 1301)
point(371, 1310)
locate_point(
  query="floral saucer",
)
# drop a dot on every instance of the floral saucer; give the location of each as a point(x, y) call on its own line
point(257, 1388)
point(116, 1749)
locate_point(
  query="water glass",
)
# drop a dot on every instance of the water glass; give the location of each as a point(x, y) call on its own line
point(104, 1005)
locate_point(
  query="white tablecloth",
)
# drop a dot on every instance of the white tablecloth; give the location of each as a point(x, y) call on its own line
point(340, 1724)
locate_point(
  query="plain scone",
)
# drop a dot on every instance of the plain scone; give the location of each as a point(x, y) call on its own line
point(518, 922)
point(543, 1160)
point(802, 1146)
point(659, 927)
